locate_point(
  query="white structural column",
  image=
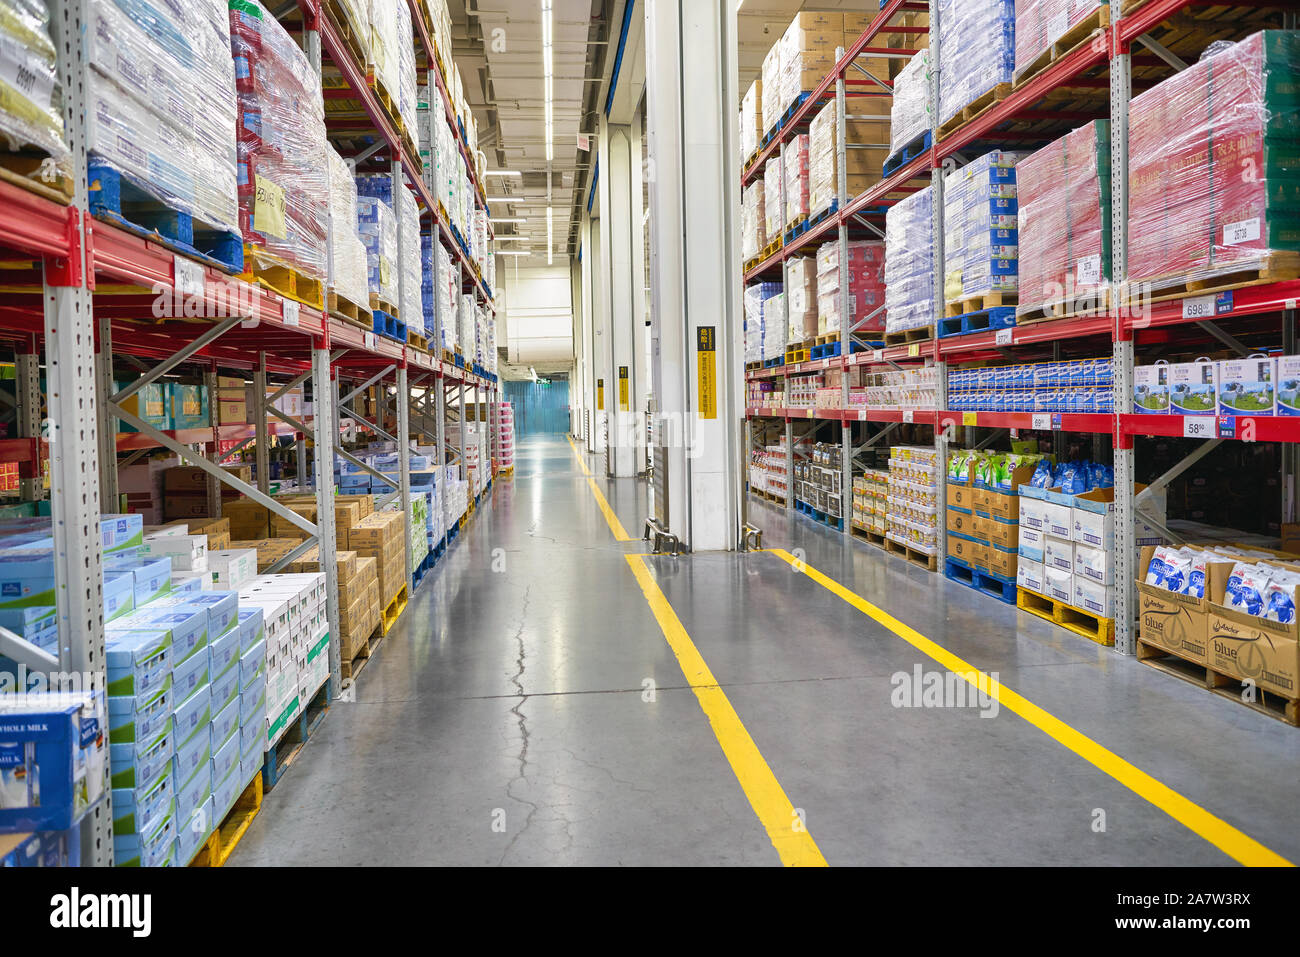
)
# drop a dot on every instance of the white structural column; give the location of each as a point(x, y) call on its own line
point(691, 84)
point(598, 345)
point(327, 433)
point(620, 205)
point(586, 260)
point(578, 387)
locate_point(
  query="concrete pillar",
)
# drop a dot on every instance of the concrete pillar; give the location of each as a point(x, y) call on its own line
point(692, 92)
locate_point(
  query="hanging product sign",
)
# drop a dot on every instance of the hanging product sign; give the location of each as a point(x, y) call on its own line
point(706, 359)
point(622, 388)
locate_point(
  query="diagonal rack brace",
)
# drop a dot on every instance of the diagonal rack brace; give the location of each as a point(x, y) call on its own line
point(160, 370)
point(221, 475)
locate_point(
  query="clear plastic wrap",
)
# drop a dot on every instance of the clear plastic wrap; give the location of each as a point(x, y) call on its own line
point(980, 228)
point(753, 301)
point(808, 52)
point(823, 169)
point(774, 327)
point(867, 142)
point(447, 300)
point(1064, 238)
point(350, 280)
point(753, 225)
point(31, 101)
point(771, 81)
point(866, 262)
point(283, 174)
point(384, 41)
point(409, 256)
point(1040, 23)
point(911, 114)
point(909, 263)
point(405, 67)
point(751, 120)
point(162, 105)
point(1214, 183)
point(772, 211)
point(977, 50)
point(801, 299)
point(377, 227)
point(796, 181)
point(466, 332)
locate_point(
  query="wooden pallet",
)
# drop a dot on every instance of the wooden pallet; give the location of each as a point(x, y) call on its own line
point(972, 110)
point(267, 270)
point(1265, 702)
point(1275, 266)
point(342, 308)
point(1093, 305)
point(868, 535)
point(913, 555)
point(350, 34)
point(216, 850)
point(908, 336)
point(37, 173)
point(1094, 25)
point(1082, 623)
point(392, 611)
point(351, 669)
point(982, 303)
point(1161, 659)
point(417, 341)
point(383, 305)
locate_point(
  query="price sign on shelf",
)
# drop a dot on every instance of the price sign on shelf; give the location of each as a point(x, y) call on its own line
point(1200, 427)
point(189, 277)
point(1041, 420)
point(877, 355)
point(914, 350)
point(290, 312)
point(370, 341)
point(909, 416)
point(1003, 337)
point(862, 415)
point(1202, 307)
point(970, 418)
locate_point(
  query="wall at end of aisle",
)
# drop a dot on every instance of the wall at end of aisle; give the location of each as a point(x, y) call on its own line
point(539, 409)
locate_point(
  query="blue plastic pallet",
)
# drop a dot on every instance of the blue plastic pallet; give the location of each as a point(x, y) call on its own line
point(827, 350)
point(129, 204)
point(389, 326)
point(1000, 317)
point(911, 151)
point(995, 586)
point(773, 363)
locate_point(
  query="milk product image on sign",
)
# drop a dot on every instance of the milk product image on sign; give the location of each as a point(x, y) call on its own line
point(1193, 387)
point(1247, 386)
point(1288, 385)
point(1151, 389)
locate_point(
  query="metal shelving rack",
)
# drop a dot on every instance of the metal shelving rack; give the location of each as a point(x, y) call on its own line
point(1106, 67)
point(87, 285)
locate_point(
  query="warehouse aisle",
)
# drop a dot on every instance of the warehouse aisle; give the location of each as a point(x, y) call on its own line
point(507, 724)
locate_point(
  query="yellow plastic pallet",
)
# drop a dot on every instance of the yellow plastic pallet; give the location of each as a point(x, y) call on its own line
point(223, 841)
point(1082, 623)
point(393, 610)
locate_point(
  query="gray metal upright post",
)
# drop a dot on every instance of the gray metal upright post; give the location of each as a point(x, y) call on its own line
point(75, 425)
point(261, 449)
point(404, 465)
point(29, 416)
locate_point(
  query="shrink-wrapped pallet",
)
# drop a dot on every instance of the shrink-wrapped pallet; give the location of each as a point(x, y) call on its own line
point(909, 263)
point(981, 253)
point(350, 280)
point(31, 101)
point(866, 263)
point(912, 114)
point(377, 227)
point(796, 181)
point(283, 173)
point(976, 51)
point(801, 299)
point(1041, 23)
point(773, 211)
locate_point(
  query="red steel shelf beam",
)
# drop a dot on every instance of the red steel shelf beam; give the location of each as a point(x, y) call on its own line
point(1254, 428)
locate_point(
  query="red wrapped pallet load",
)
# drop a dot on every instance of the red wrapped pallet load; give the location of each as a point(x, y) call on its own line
point(1064, 237)
point(283, 173)
point(1215, 180)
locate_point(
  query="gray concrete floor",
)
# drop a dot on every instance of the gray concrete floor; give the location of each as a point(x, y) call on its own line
point(502, 722)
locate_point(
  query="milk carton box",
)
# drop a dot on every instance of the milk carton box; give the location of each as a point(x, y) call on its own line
point(1288, 385)
point(1194, 387)
point(1248, 386)
point(1151, 389)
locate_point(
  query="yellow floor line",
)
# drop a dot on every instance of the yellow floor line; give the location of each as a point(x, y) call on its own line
point(615, 526)
point(1239, 846)
point(784, 827)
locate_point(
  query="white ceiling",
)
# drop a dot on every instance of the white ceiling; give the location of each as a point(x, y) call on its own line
point(498, 45)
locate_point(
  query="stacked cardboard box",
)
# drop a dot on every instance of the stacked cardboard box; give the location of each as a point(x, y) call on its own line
point(1193, 213)
point(795, 209)
point(248, 520)
point(983, 522)
point(807, 53)
point(911, 112)
point(866, 262)
point(269, 550)
point(358, 596)
point(980, 224)
point(1064, 219)
point(751, 120)
point(753, 221)
point(380, 536)
point(909, 263)
point(866, 148)
point(232, 401)
point(773, 204)
point(1040, 23)
point(870, 501)
point(801, 299)
point(185, 491)
point(913, 497)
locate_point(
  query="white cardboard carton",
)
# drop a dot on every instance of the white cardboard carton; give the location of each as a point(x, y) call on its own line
point(1058, 553)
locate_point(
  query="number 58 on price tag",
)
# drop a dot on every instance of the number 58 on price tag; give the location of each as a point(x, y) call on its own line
point(1200, 427)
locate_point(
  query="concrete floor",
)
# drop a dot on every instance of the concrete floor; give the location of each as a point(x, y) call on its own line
point(503, 721)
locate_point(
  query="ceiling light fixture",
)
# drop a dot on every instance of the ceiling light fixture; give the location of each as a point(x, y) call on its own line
point(508, 219)
point(514, 252)
point(503, 172)
point(550, 237)
point(548, 78)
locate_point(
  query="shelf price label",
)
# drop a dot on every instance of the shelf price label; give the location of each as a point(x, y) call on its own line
point(1003, 337)
point(909, 416)
point(189, 278)
point(970, 418)
point(1202, 307)
point(914, 350)
point(290, 312)
point(370, 341)
point(1041, 421)
point(877, 355)
point(1200, 427)
point(862, 415)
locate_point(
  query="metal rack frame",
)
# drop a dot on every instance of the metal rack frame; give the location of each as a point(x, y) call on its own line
point(1119, 329)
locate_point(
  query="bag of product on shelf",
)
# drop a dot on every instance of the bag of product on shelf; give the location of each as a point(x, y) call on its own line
point(980, 228)
point(1041, 23)
point(866, 262)
point(283, 174)
point(1064, 241)
point(909, 263)
point(976, 49)
point(31, 110)
point(912, 114)
point(796, 182)
point(161, 111)
point(377, 227)
point(1213, 182)
point(350, 278)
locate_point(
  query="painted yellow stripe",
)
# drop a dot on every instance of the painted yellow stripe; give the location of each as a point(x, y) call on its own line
point(1241, 847)
point(615, 526)
point(785, 830)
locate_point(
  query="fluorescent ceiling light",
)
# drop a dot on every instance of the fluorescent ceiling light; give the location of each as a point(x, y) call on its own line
point(503, 172)
point(548, 78)
point(508, 219)
point(513, 252)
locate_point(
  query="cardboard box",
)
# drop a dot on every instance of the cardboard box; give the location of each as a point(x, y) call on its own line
point(961, 549)
point(979, 499)
point(1033, 515)
point(1005, 535)
point(1058, 520)
point(1029, 575)
point(1002, 505)
point(961, 496)
point(1031, 544)
point(1177, 623)
point(1250, 648)
point(1001, 561)
point(1058, 553)
point(1095, 599)
point(1093, 565)
point(980, 555)
point(1059, 584)
point(961, 523)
